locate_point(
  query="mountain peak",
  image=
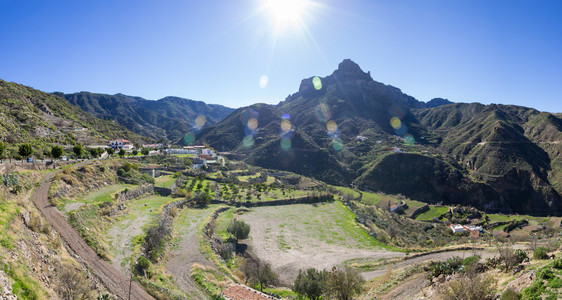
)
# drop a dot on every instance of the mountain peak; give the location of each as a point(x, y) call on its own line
point(349, 70)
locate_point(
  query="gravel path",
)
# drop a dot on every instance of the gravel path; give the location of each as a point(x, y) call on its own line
point(115, 280)
point(187, 253)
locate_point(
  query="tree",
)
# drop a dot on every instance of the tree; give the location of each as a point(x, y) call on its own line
point(310, 283)
point(471, 286)
point(203, 198)
point(135, 152)
point(110, 151)
point(145, 151)
point(78, 150)
point(56, 152)
point(344, 284)
point(239, 229)
point(540, 253)
point(25, 150)
point(259, 272)
point(122, 152)
point(2, 150)
point(94, 152)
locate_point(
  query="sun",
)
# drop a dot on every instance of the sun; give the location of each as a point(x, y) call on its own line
point(287, 11)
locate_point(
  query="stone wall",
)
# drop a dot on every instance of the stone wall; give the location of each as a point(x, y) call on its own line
point(302, 200)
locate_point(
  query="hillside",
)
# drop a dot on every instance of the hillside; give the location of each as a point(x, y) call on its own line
point(169, 117)
point(29, 115)
point(347, 127)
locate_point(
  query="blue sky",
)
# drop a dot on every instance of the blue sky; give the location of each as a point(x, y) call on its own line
point(487, 51)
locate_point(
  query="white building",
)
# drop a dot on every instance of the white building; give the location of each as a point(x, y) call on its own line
point(121, 144)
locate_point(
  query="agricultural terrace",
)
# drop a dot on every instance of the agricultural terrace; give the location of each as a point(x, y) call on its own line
point(302, 236)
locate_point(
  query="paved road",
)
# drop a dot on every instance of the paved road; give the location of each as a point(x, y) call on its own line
point(112, 278)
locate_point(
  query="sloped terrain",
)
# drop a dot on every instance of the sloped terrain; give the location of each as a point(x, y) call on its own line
point(169, 117)
point(344, 127)
point(29, 115)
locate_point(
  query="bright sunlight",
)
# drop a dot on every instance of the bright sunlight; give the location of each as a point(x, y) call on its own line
point(287, 11)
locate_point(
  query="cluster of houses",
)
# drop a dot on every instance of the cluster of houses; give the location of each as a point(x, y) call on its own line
point(201, 155)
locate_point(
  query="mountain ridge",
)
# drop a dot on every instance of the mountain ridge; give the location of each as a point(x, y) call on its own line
point(504, 155)
point(170, 117)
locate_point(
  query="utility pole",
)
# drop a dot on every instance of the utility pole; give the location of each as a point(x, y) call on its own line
point(130, 285)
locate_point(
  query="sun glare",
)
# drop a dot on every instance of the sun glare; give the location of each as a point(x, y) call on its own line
point(287, 11)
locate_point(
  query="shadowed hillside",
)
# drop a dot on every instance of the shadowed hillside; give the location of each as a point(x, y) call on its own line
point(345, 127)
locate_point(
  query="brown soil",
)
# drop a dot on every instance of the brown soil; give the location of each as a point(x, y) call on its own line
point(434, 256)
point(301, 252)
point(115, 280)
point(183, 257)
point(408, 289)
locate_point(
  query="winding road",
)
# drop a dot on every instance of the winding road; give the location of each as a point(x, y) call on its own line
point(114, 280)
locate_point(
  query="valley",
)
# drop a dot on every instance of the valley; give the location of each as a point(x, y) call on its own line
point(347, 180)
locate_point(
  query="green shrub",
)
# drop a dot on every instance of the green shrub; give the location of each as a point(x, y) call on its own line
point(142, 266)
point(469, 261)
point(509, 294)
point(540, 253)
point(557, 264)
point(555, 283)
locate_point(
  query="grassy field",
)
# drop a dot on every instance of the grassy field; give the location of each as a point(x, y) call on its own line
point(106, 193)
point(506, 218)
point(141, 213)
point(165, 181)
point(332, 223)
point(433, 212)
point(223, 221)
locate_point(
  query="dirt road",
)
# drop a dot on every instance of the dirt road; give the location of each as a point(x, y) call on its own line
point(187, 253)
point(433, 256)
point(115, 280)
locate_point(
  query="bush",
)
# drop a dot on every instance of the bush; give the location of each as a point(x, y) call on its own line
point(540, 253)
point(142, 266)
point(469, 261)
point(509, 294)
point(557, 264)
point(239, 229)
point(479, 287)
point(344, 284)
point(310, 283)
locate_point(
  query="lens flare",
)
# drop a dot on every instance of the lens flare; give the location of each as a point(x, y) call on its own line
point(263, 81)
point(188, 139)
point(285, 116)
point(331, 126)
point(402, 130)
point(285, 144)
point(248, 141)
point(286, 126)
point(337, 144)
point(200, 121)
point(409, 140)
point(252, 124)
point(322, 113)
point(395, 123)
point(317, 82)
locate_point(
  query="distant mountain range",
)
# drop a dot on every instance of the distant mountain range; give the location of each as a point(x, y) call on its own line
point(171, 117)
point(347, 128)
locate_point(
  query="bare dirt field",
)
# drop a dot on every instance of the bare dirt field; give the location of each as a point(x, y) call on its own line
point(302, 236)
